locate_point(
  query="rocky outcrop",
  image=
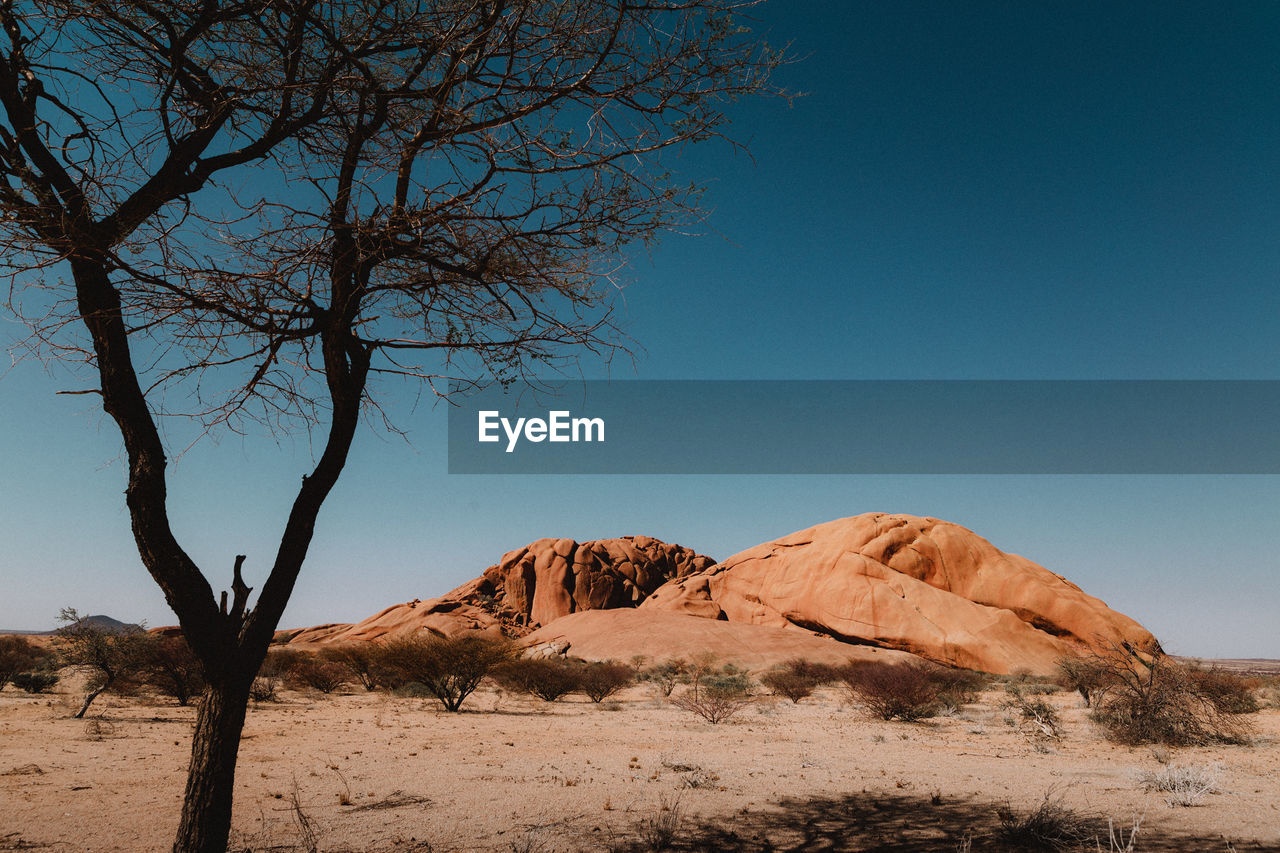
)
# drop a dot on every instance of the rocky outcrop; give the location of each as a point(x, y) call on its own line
point(532, 586)
point(920, 585)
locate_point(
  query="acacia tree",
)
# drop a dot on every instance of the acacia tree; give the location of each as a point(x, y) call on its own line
point(248, 211)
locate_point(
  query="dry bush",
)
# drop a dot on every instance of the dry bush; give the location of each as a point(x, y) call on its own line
point(666, 675)
point(547, 678)
point(1229, 692)
point(797, 679)
point(360, 660)
point(600, 680)
point(1152, 699)
point(902, 691)
point(450, 668)
point(1084, 674)
point(174, 670)
point(1040, 721)
point(1050, 826)
point(318, 673)
point(18, 655)
point(1186, 785)
point(715, 694)
point(38, 680)
point(658, 831)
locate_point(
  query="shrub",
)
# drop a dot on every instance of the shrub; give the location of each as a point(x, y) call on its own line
point(1088, 676)
point(903, 691)
point(18, 655)
point(1228, 691)
point(1186, 785)
point(173, 669)
point(360, 660)
point(1040, 720)
point(666, 675)
point(319, 674)
point(601, 680)
point(451, 668)
point(547, 678)
point(715, 695)
point(1152, 699)
point(1050, 826)
point(35, 681)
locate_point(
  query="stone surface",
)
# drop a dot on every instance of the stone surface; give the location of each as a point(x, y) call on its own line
point(660, 636)
point(920, 585)
point(530, 587)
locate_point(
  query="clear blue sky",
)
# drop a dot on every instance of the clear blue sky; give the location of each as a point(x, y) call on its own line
point(978, 190)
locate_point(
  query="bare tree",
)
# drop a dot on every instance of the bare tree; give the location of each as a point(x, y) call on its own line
point(255, 208)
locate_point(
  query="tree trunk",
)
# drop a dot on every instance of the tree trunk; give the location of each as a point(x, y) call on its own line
point(88, 700)
point(206, 808)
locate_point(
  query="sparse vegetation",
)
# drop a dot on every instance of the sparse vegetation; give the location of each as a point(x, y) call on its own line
point(889, 691)
point(114, 657)
point(18, 655)
point(715, 694)
point(797, 679)
point(1086, 675)
point(1051, 826)
point(601, 679)
point(549, 679)
point(318, 673)
point(360, 660)
point(666, 675)
point(1039, 720)
point(1153, 699)
point(450, 668)
point(1186, 785)
point(39, 680)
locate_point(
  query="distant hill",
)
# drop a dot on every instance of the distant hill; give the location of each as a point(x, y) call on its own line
point(107, 623)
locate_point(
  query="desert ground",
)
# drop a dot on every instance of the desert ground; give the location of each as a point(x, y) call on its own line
point(360, 771)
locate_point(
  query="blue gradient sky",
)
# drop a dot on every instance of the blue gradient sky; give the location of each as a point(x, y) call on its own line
point(980, 190)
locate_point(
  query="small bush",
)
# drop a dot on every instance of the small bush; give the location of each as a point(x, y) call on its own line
point(360, 660)
point(1040, 721)
point(1185, 785)
point(666, 675)
point(18, 655)
point(600, 680)
point(36, 681)
point(319, 674)
point(902, 691)
point(451, 668)
point(547, 678)
point(265, 688)
point(1050, 826)
point(790, 685)
point(715, 695)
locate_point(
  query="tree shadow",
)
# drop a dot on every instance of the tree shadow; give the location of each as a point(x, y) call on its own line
point(902, 823)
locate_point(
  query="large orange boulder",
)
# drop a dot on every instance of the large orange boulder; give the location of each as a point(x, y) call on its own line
point(920, 585)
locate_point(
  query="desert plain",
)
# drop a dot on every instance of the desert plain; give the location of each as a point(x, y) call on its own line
point(357, 771)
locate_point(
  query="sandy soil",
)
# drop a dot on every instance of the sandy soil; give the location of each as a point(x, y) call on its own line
point(517, 774)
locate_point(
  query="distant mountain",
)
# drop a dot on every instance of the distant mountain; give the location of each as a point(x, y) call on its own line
point(106, 623)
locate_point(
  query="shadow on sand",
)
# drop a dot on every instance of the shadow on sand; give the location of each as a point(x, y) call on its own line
point(892, 823)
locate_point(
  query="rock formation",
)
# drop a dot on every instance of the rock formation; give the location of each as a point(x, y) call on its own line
point(919, 585)
point(533, 586)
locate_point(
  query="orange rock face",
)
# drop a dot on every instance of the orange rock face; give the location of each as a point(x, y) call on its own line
point(919, 585)
point(533, 586)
